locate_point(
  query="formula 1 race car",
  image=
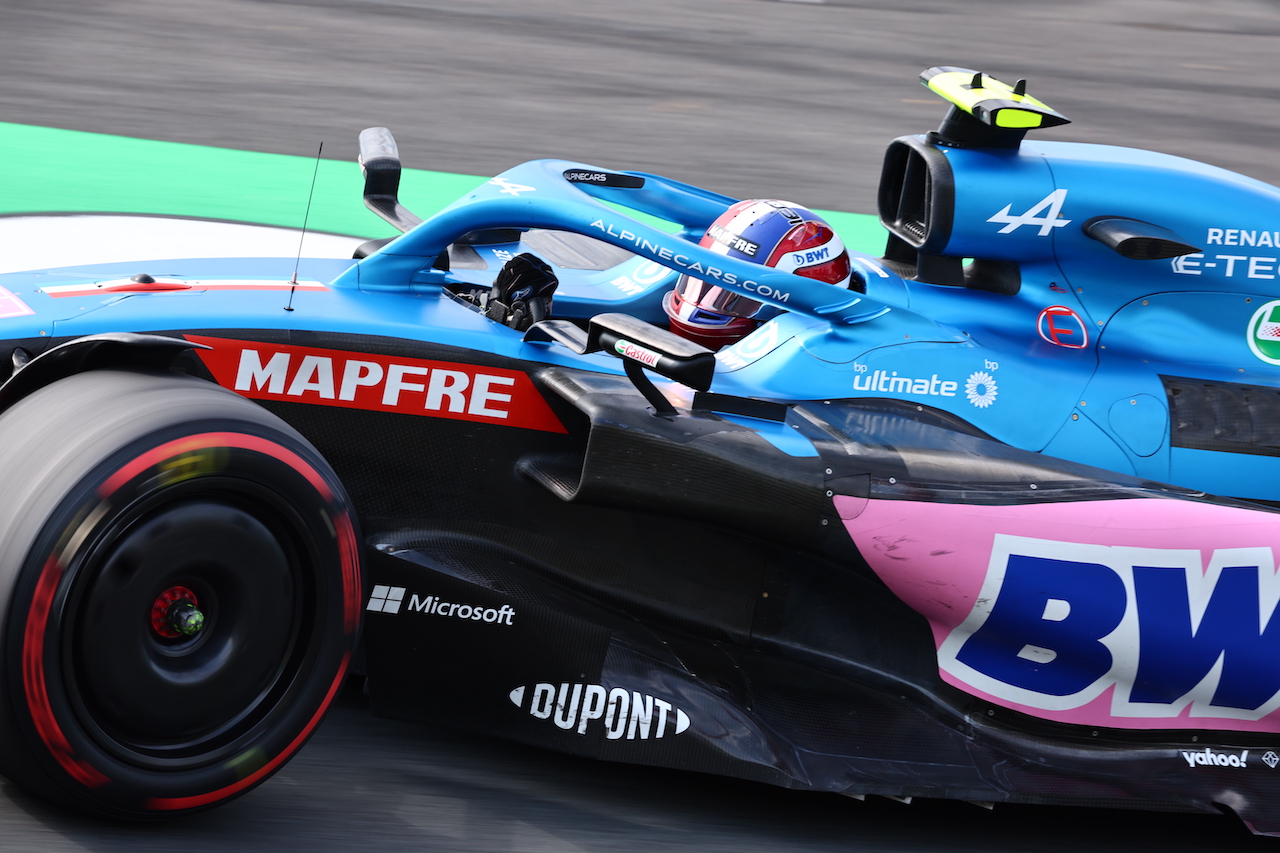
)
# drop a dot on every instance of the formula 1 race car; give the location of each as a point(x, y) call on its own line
point(907, 538)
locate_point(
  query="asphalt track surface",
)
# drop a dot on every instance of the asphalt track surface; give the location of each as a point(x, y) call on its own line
point(748, 97)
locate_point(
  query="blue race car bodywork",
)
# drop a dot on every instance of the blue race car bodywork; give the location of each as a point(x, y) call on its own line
point(912, 538)
point(1105, 305)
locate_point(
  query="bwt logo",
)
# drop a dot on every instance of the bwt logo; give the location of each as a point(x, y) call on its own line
point(1058, 623)
point(812, 257)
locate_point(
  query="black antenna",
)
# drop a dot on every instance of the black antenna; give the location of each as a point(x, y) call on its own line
point(294, 281)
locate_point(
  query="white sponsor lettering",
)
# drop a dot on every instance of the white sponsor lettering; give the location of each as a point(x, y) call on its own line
point(253, 375)
point(979, 388)
point(455, 391)
point(1210, 758)
point(314, 374)
point(624, 714)
point(435, 606)
point(389, 599)
point(446, 386)
point(804, 258)
point(889, 382)
point(358, 373)
point(1261, 267)
point(482, 395)
point(396, 382)
point(1241, 237)
point(734, 241)
point(688, 265)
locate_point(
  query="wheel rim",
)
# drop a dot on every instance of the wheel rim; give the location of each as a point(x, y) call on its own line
point(176, 614)
point(92, 460)
point(153, 694)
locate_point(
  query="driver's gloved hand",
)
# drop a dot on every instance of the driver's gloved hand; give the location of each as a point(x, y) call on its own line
point(521, 294)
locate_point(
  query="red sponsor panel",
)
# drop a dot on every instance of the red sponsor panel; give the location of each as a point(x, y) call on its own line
point(378, 383)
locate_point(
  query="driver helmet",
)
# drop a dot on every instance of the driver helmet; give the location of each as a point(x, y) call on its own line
point(775, 233)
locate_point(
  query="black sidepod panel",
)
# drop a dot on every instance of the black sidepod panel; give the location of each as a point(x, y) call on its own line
point(656, 589)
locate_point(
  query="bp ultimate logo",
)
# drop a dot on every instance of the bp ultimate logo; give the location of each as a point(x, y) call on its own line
point(1170, 632)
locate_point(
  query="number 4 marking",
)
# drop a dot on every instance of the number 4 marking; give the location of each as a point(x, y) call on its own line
point(512, 189)
point(1053, 201)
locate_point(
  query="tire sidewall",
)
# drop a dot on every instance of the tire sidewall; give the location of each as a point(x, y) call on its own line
point(73, 476)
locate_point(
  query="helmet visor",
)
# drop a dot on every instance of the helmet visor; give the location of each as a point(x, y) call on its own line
point(700, 299)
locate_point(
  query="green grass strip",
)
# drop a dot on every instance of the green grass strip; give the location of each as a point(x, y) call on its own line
point(47, 170)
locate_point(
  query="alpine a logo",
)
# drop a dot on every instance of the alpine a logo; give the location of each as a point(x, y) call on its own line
point(1044, 213)
point(623, 714)
point(380, 383)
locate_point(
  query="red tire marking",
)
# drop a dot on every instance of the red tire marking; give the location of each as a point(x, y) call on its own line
point(33, 673)
point(37, 690)
point(237, 440)
point(352, 589)
point(172, 803)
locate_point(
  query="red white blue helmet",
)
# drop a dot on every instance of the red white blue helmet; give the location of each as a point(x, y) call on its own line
point(764, 231)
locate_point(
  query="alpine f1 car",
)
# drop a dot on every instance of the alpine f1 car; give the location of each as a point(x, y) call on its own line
point(911, 537)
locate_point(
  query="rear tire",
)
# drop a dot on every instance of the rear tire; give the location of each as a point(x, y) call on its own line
point(180, 590)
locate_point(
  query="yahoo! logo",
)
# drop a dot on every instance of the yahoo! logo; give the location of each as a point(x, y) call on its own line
point(1210, 758)
point(1056, 624)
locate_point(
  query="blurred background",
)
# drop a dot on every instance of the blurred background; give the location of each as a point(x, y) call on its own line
point(748, 97)
point(767, 98)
